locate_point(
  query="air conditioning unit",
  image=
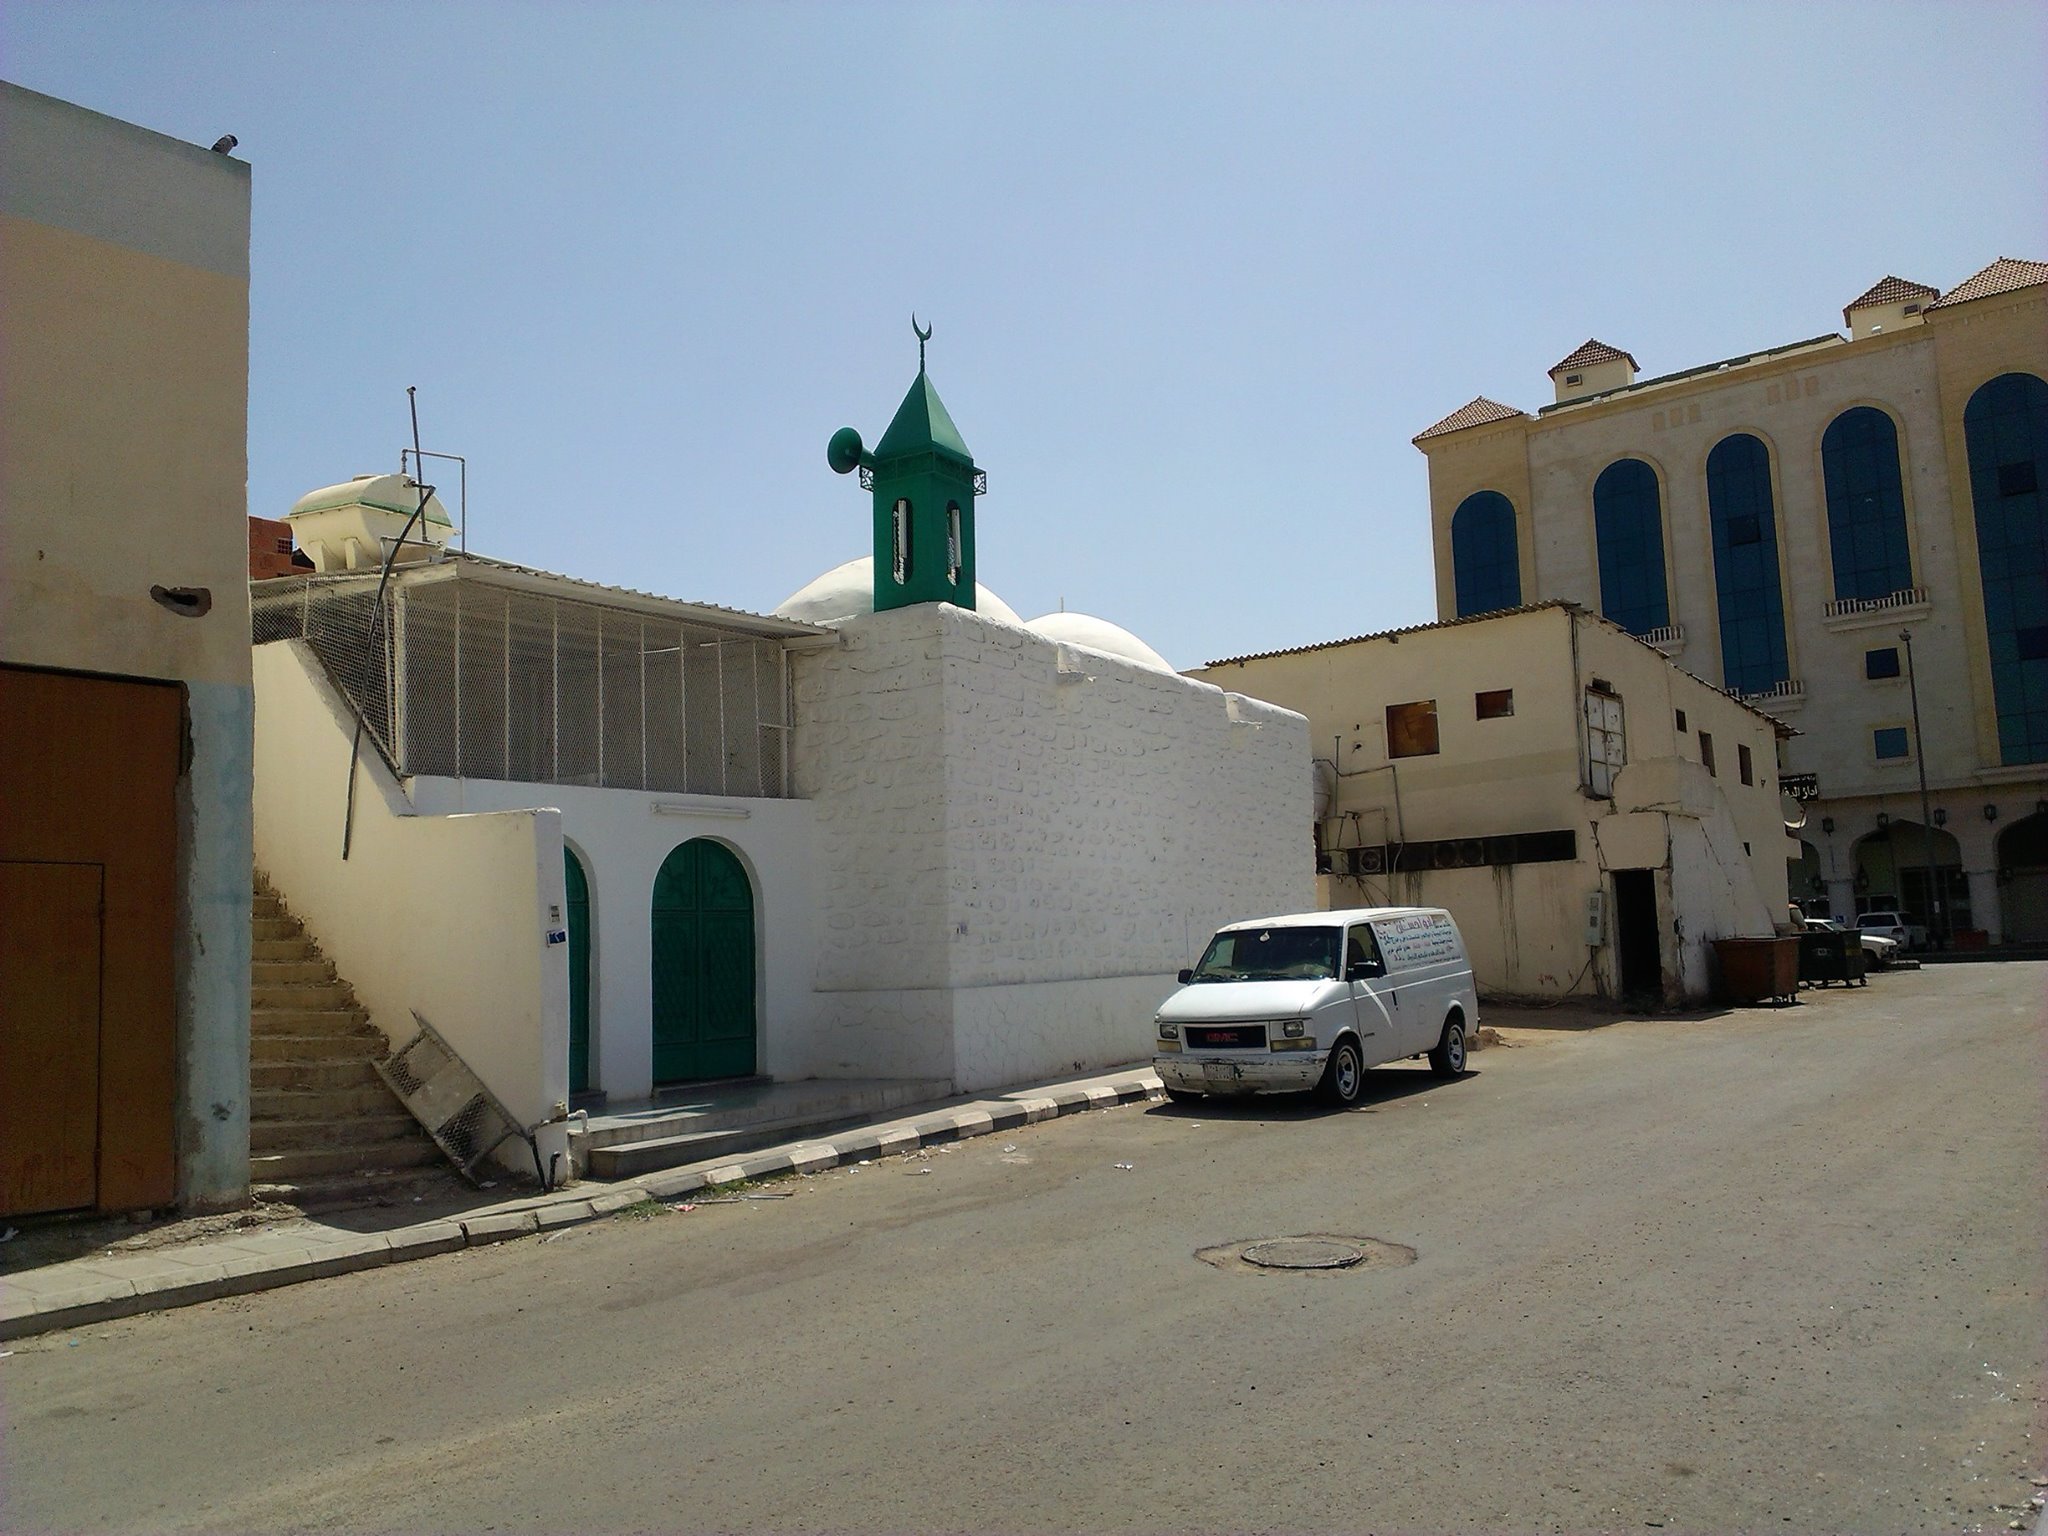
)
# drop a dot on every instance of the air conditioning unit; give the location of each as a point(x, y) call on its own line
point(1369, 861)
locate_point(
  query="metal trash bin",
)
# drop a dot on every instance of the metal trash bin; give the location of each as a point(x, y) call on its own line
point(1756, 970)
point(1832, 956)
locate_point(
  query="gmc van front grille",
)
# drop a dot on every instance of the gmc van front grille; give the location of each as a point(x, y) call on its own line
point(1234, 1037)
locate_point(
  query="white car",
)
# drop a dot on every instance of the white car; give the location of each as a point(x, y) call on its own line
point(1902, 928)
point(1314, 999)
point(1877, 949)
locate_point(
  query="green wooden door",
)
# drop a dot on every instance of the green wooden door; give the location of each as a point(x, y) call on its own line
point(578, 888)
point(703, 965)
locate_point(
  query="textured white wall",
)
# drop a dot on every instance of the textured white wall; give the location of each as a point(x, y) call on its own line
point(1015, 864)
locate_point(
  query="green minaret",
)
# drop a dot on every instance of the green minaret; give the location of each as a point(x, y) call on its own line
point(925, 482)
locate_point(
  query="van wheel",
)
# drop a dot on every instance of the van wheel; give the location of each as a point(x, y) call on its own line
point(1343, 1077)
point(1448, 1059)
point(1182, 1096)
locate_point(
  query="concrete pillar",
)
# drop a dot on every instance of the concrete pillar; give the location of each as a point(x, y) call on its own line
point(1984, 912)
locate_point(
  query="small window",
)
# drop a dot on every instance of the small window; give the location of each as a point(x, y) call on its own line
point(2018, 479)
point(902, 541)
point(1681, 718)
point(1743, 766)
point(1912, 309)
point(953, 557)
point(1411, 729)
point(1573, 378)
point(1606, 743)
point(284, 546)
point(1494, 705)
point(1881, 663)
point(1890, 741)
point(1707, 753)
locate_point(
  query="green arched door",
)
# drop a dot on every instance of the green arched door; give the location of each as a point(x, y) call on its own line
point(703, 965)
point(577, 885)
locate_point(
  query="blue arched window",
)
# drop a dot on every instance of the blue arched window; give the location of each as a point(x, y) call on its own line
point(1745, 521)
point(1486, 562)
point(1628, 526)
point(2006, 427)
point(1859, 459)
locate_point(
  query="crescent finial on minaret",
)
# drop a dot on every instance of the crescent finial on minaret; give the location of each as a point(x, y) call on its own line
point(923, 333)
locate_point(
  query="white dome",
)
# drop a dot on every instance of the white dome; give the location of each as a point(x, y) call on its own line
point(848, 590)
point(1098, 635)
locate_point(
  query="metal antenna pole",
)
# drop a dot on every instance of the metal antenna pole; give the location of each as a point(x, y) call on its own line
point(1938, 916)
point(355, 751)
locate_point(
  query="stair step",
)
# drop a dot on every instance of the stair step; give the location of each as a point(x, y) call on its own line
point(282, 1167)
point(309, 1021)
point(629, 1159)
point(274, 928)
point(313, 994)
point(291, 970)
point(308, 1049)
point(270, 951)
point(289, 1075)
point(332, 1135)
point(358, 1098)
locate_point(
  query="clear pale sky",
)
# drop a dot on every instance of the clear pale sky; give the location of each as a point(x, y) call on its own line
point(1198, 273)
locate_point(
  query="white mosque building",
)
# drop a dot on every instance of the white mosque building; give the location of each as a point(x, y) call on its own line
point(608, 841)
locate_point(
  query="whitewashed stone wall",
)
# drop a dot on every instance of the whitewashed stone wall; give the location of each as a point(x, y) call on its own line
point(1020, 842)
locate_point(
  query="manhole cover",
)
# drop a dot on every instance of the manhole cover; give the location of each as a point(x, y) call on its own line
point(1307, 1251)
point(1303, 1253)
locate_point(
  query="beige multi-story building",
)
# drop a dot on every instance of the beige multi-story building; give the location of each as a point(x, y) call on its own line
point(126, 706)
point(1592, 815)
point(1848, 531)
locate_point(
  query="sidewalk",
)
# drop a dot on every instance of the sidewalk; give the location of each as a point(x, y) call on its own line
point(100, 1287)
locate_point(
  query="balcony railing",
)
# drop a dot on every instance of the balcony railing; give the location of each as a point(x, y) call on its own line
point(1847, 607)
point(1669, 636)
point(1785, 691)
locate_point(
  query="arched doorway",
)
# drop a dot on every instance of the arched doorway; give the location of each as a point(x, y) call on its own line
point(703, 965)
point(2023, 880)
point(1891, 875)
point(576, 883)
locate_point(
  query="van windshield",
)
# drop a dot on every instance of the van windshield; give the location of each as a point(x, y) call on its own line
point(1271, 954)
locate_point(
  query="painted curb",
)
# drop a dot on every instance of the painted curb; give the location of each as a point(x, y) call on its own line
point(129, 1285)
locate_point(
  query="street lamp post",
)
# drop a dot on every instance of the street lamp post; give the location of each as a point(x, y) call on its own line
point(1937, 917)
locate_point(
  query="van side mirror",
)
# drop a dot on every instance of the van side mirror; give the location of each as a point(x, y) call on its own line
point(1365, 970)
point(1186, 975)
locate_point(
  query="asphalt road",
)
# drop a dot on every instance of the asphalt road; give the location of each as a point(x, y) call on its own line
point(1771, 1270)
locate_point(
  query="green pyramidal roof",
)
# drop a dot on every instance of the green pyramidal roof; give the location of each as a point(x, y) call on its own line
point(921, 425)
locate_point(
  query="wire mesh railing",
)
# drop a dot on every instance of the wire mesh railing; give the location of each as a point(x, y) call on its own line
point(465, 679)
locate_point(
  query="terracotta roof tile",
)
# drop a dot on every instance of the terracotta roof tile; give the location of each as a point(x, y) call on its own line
point(1889, 290)
point(1477, 414)
point(1593, 352)
point(2002, 276)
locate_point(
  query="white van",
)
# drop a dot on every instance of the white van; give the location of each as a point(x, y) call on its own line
point(1313, 999)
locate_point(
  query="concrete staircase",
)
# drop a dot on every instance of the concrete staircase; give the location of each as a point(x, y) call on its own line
point(322, 1124)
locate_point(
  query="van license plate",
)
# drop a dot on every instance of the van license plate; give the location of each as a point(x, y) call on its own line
point(1220, 1071)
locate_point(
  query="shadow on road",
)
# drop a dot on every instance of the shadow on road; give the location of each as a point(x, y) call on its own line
point(1383, 1085)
